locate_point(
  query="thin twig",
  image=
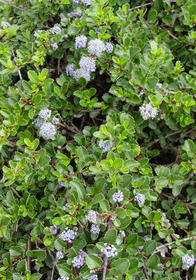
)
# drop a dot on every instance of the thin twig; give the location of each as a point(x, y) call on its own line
point(170, 243)
point(140, 6)
point(15, 192)
point(6, 3)
point(67, 127)
point(105, 260)
point(145, 271)
point(28, 249)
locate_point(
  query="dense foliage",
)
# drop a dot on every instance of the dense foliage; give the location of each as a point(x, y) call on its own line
point(98, 160)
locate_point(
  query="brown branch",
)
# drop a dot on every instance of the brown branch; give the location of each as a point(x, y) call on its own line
point(15, 192)
point(68, 128)
point(145, 271)
point(28, 249)
point(105, 260)
point(140, 6)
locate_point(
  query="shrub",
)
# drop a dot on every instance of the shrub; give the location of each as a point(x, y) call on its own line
point(98, 158)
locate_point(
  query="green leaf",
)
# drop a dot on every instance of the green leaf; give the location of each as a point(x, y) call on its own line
point(122, 265)
point(152, 15)
point(40, 255)
point(149, 247)
point(33, 77)
point(79, 189)
point(153, 261)
point(98, 198)
point(93, 261)
point(120, 212)
point(110, 236)
point(16, 251)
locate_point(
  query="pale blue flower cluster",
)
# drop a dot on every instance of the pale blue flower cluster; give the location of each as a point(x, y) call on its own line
point(95, 229)
point(53, 229)
point(68, 235)
point(188, 260)
point(105, 145)
point(54, 46)
point(118, 196)
point(140, 198)
point(109, 250)
point(63, 278)
point(5, 24)
point(56, 30)
point(96, 47)
point(94, 277)
point(80, 42)
point(47, 129)
point(78, 261)
point(148, 111)
point(59, 255)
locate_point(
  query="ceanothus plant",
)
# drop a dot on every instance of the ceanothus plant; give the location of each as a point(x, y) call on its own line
point(97, 139)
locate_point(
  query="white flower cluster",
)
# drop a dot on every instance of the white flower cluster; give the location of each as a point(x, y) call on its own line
point(54, 46)
point(53, 229)
point(5, 24)
point(87, 64)
point(148, 111)
point(109, 47)
point(59, 255)
point(80, 42)
point(95, 229)
point(47, 130)
point(105, 145)
point(55, 120)
point(158, 86)
point(92, 216)
point(140, 198)
point(70, 69)
point(109, 250)
point(45, 114)
point(188, 260)
point(78, 261)
point(94, 277)
point(118, 196)
point(86, 2)
point(68, 235)
point(37, 122)
point(81, 73)
point(63, 278)
point(56, 30)
point(96, 47)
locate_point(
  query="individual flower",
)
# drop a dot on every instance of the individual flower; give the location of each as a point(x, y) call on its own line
point(78, 261)
point(105, 145)
point(109, 47)
point(36, 33)
point(87, 64)
point(62, 184)
point(86, 2)
point(95, 229)
point(37, 122)
point(5, 24)
point(70, 69)
point(55, 120)
point(63, 278)
point(56, 30)
point(97, 30)
point(54, 46)
point(188, 260)
point(118, 196)
point(158, 86)
point(45, 114)
point(121, 234)
point(80, 42)
point(75, 2)
point(148, 111)
point(92, 216)
point(96, 47)
point(47, 130)
point(59, 255)
point(94, 277)
point(65, 206)
point(109, 250)
point(68, 235)
point(53, 229)
point(140, 198)
point(81, 73)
